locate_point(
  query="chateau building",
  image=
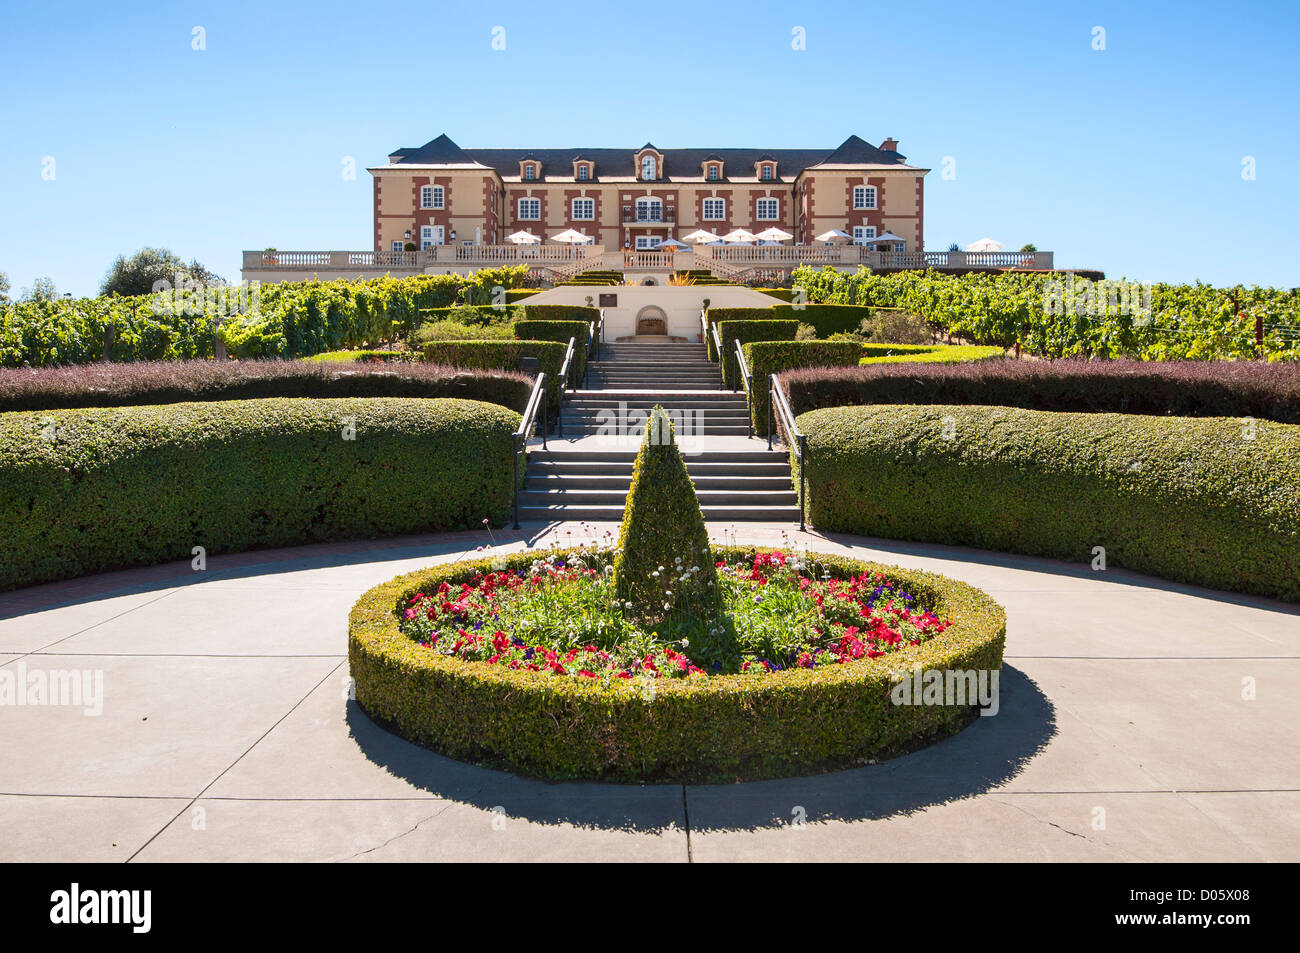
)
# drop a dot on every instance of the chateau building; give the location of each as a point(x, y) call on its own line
point(443, 194)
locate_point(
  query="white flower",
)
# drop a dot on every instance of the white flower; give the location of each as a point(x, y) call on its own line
point(666, 607)
point(686, 643)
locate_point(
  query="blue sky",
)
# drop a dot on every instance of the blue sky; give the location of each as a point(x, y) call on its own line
point(1127, 159)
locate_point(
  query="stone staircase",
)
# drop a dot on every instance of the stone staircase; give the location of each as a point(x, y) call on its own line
point(587, 475)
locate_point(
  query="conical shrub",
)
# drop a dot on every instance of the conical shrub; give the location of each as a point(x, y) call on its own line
point(663, 565)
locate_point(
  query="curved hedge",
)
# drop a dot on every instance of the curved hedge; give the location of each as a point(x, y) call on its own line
point(702, 729)
point(747, 332)
point(83, 491)
point(1215, 502)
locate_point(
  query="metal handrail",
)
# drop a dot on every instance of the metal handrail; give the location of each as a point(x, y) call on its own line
point(593, 344)
point(778, 406)
point(717, 346)
point(746, 381)
point(536, 399)
point(564, 384)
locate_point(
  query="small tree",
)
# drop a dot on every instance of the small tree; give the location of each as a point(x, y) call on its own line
point(1029, 247)
point(663, 564)
point(138, 274)
point(4, 288)
point(42, 289)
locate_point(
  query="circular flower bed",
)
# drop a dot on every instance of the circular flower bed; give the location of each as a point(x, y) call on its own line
point(786, 667)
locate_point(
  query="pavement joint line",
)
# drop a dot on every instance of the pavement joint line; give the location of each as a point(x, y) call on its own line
point(294, 707)
point(686, 821)
point(96, 625)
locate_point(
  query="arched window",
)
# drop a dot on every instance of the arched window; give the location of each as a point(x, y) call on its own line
point(648, 167)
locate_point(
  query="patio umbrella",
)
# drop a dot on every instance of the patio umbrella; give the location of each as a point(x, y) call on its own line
point(887, 237)
point(985, 244)
point(702, 237)
point(834, 235)
point(739, 235)
point(571, 237)
point(773, 234)
point(673, 243)
point(523, 238)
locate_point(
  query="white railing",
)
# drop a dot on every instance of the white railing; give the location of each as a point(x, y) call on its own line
point(509, 254)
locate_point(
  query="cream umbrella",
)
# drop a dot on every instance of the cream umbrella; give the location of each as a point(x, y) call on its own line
point(523, 238)
point(739, 235)
point(834, 235)
point(572, 237)
point(702, 237)
point(985, 244)
point(673, 243)
point(773, 234)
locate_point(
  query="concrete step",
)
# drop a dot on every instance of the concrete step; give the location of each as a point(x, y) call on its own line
point(545, 469)
point(629, 456)
point(548, 480)
point(738, 514)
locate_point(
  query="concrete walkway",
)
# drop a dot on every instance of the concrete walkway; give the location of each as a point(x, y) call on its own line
point(225, 732)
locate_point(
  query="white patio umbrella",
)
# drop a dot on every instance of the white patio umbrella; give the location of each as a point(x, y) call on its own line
point(739, 235)
point(702, 237)
point(523, 238)
point(985, 244)
point(673, 243)
point(834, 235)
point(773, 234)
point(572, 237)
point(887, 237)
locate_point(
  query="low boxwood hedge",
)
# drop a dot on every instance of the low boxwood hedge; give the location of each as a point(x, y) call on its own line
point(1215, 502)
point(560, 331)
point(502, 356)
point(561, 312)
point(84, 491)
point(172, 382)
point(828, 319)
point(746, 332)
point(345, 357)
point(1179, 388)
point(928, 353)
point(775, 357)
point(703, 729)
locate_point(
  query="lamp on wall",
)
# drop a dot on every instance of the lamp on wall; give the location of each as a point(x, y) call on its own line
point(407, 235)
point(453, 236)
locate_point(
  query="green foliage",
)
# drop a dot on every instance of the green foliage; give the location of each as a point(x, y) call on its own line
point(766, 358)
point(1208, 501)
point(502, 356)
point(927, 353)
point(828, 319)
point(42, 290)
point(894, 326)
point(717, 729)
point(147, 269)
point(662, 532)
point(559, 331)
point(361, 356)
point(1185, 322)
point(449, 330)
point(83, 491)
point(746, 331)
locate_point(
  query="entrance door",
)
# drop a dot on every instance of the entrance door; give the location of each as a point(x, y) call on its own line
point(430, 235)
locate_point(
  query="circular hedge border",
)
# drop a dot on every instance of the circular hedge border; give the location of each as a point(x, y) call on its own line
point(712, 729)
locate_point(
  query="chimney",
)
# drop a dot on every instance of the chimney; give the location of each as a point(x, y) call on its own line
point(889, 145)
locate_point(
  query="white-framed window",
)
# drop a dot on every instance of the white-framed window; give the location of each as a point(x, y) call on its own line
point(582, 173)
point(584, 209)
point(767, 173)
point(648, 167)
point(649, 210)
point(397, 247)
point(714, 210)
point(863, 234)
point(768, 210)
point(530, 209)
point(430, 235)
point(864, 196)
point(431, 196)
point(647, 242)
point(713, 173)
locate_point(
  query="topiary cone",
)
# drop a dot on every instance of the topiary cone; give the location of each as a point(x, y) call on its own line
point(662, 523)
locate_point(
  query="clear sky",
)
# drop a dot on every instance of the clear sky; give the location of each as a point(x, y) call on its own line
point(1127, 159)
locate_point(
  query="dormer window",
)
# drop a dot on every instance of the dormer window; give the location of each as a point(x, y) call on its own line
point(530, 170)
point(713, 173)
point(582, 173)
point(583, 170)
point(766, 170)
point(767, 173)
point(648, 168)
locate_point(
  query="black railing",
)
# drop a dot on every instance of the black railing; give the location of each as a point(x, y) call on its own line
point(778, 408)
point(649, 214)
point(746, 381)
point(717, 348)
point(566, 373)
point(526, 425)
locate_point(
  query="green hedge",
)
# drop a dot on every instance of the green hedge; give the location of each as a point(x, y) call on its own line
point(502, 356)
point(83, 491)
point(347, 357)
point(781, 294)
point(775, 357)
point(828, 319)
point(1182, 498)
point(559, 331)
point(747, 332)
point(928, 353)
point(561, 312)
point(703, 729)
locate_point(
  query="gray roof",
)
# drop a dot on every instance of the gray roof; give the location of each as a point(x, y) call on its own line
point(621, 162)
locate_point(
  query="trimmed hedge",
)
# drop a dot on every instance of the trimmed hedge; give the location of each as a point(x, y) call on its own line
point(561, 312)
point(559, 331)
point(828, 319)
point(746, 332)
point(1181, 388)
point(83, 491)
point(928, 353)
point(1205, 501)
point(714, 729)
point(172, 382)
point(345, 357)
point(502, 356)
point(781, 294)
point(775, 357)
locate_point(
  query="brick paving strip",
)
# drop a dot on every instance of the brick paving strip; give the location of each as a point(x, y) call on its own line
point(226, 733)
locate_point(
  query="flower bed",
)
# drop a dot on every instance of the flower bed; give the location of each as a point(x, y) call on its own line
point(534, 667)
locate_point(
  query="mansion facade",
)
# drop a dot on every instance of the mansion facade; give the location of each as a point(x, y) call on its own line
point(442, 194)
